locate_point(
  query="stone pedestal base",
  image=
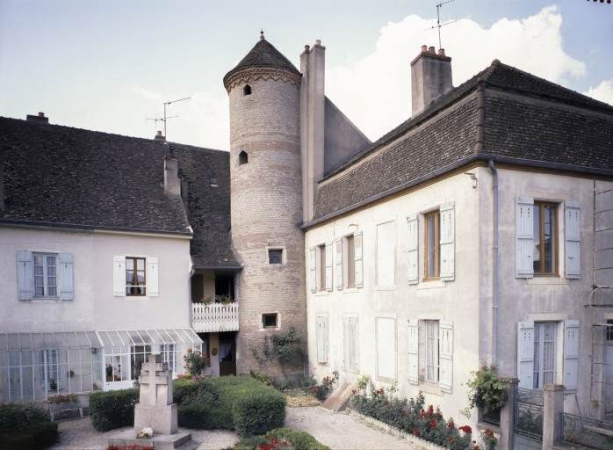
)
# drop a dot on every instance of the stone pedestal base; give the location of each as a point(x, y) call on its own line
point(159, 441)
point(162, 419)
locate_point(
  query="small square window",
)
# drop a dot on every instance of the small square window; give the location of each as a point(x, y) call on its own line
point(270, 320)
point(275, 256)
point(610, 330)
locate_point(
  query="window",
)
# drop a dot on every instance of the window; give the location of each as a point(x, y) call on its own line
point(350, 244)
point(610, 330)
point(168, 355)
point(243, 158)
point(544, 354)
point(270, 320)
point(45, 275)
point(135, 276)
point(431, 244)
point(247, 90)
point(321, 273)
point(432, 350)
point(138, 356)
point(545, 242)
point(275, 256)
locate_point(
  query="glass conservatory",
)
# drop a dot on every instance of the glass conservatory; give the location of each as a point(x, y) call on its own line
point(34, 366)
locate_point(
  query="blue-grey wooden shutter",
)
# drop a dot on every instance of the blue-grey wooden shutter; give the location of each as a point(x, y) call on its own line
point(447, 241)
point(153, 276)
point(412, 249)
point(66, 276)
point(25, 275)
point(525, 354)
point(572, 250)
point(322, 339)
point(525, 237)
point(358, 252)
point(445, 331)
point(119, 276)
point(329, 282)
point(571, 354)
point(413, 352)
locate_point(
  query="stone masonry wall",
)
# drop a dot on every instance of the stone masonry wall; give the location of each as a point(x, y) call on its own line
point(267, 212)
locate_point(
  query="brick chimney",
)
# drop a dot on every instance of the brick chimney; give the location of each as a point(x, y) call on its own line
point(430, 77)
point(159, 137)
point(172, 182)
point(40, 118)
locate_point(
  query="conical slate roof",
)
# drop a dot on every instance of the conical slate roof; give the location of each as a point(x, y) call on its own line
point(263, 54)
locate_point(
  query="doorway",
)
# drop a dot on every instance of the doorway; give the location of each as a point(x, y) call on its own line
point(227, 354)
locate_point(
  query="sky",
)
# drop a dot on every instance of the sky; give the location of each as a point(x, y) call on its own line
point(108, 65)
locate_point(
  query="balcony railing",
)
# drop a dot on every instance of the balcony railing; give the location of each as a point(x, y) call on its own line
point(214, 317)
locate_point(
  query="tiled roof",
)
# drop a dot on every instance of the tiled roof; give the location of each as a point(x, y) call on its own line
point(527, 119)
point(264, 54)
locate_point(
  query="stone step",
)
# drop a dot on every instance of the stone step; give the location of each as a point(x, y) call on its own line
point(340, 397)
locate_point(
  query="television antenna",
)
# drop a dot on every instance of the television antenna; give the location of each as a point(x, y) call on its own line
point(166, 118)
point(160, 119)
point(440, 25)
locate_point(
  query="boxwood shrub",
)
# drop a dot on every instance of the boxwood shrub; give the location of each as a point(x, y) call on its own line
point(299, 440)
point(26, 427)
point(258, 412)
point(113, 409)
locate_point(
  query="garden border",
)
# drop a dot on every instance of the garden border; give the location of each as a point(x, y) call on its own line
point(427, 445)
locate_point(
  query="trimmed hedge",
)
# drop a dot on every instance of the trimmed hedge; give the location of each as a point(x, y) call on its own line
point(26, 427)
point(258, 412)
point(299, 440)
point(113, 409)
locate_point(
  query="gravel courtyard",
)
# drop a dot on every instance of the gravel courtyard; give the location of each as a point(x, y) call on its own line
point(339, 431)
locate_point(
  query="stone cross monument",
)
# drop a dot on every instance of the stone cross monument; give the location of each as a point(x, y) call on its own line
point(155, 408)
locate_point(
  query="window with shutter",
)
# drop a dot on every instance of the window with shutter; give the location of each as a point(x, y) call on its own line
point(571, 354)
point(572, 226)
point(322, 339)
point(136, 277)
point(25, 275)
point(328, 267)
point(545, 239)
point(525, 354)
point(525, 238)
point(412, 249)
point(358, 266)
point(338, 263)
point(413, 352)
point(432, 254)
point(447, 242)
point(313, 270)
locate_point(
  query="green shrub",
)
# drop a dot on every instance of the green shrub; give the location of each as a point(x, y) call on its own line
point(113, 409)
point(300, 440)
point(258, 412)
point(26, 427)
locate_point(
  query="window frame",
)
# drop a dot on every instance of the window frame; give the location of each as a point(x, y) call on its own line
point(432, 215)
point(270, 327)
point(539, 333)
point(349, 256)
point(45, 275)
point(436, 364)
point(272, 249)
point(135, 272)
point(320, 267)
point(541, 205)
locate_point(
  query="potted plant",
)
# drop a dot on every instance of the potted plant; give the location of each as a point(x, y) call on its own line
point(487, 390)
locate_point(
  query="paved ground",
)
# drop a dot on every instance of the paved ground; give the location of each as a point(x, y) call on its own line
point(338, 431)
point(80, 435)
point(341, 431)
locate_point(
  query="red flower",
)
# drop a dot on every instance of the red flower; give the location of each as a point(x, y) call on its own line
point(416, 431)
point(466, 429)
point(432, 423)
point(451, 424)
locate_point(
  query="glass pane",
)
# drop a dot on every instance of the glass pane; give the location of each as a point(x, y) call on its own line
point(129, 277)
point(537, 334)
point(140, 264)
point(140, 278)
point(39, 291)
point(52, 291)
point(51, 281)
point(50, 260)
point(549, 234)
point(275, 256)
point(51, 271)
point(431, 224)
point(536, 257)
point(38, 260)
point(350, 262)
point(38, 270)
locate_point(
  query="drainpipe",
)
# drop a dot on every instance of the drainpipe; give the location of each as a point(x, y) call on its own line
point(495, 295)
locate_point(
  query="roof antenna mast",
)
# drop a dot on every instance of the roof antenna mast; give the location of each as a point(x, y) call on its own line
point(440, 25)
point(166, 118)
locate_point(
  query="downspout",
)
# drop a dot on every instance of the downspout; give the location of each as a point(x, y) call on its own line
point(494, 170)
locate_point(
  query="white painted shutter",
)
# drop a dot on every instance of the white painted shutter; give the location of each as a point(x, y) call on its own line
point(572, 226)
point(359, 268)
point(119, 276)
point(25, 275)
point(350, 343)
point(322, 339)
point(445, 332)
point(413, 352)
point(313, 271)
point(66, 276)
point(525, 238)
point(338, 263)
point(329, 280)
point(153, 277)
point(525, 354)
point(571, 354)
point(447, 241)
point(412, 249)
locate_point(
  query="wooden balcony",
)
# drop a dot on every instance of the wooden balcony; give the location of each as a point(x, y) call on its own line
point(214, 317)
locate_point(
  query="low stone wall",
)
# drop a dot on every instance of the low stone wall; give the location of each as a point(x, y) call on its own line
point(426, 445)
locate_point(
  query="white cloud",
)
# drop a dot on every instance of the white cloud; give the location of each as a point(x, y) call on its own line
point(374, 91)
point(602, 92)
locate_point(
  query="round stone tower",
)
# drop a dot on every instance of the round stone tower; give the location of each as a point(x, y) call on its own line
point(266, 198)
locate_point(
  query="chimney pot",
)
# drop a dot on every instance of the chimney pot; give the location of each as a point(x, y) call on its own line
point(431, 50)
point(41, 114)
point(424, 48)
point(441, 52)
point(159, 136)
point(318, 42)
point(38, 118)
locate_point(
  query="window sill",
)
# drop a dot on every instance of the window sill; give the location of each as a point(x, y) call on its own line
point(350, 291)
point(544, 280)
point(432, 284)
point(430, 388)
point(43, 300)
point(385, 288)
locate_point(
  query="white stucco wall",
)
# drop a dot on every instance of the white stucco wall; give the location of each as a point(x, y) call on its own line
point(456, 301)
point(94, 306)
